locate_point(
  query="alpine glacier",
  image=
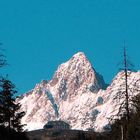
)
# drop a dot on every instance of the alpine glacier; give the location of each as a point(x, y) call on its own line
point(77, 94)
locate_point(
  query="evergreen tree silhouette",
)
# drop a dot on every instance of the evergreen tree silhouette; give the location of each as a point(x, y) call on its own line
point(10, 114)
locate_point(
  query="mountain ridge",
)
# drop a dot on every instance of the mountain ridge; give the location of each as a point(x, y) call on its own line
point(76, 94)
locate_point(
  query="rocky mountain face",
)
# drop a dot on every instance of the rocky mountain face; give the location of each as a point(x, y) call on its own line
point(77, 94)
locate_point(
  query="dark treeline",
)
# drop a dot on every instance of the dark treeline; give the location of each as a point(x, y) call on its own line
point(11, 134)
point(10, 113)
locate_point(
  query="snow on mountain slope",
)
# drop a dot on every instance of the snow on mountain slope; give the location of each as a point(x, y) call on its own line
point(76, 95)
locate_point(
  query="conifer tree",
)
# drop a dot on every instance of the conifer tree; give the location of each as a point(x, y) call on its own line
point(10, 114)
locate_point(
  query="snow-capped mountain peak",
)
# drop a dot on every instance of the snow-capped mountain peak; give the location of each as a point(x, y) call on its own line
point(74, 75)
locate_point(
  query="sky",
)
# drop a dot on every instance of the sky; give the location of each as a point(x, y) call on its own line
point(39, 35)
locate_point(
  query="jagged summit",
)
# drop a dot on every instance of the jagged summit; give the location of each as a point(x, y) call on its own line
point(79, 55)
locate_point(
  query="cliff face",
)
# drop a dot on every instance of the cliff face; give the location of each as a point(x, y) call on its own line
point(76, 95)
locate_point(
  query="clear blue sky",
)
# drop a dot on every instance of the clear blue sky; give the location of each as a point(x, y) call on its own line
point(38, 35)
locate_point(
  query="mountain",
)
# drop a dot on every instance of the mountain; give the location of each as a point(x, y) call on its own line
point(76, 94)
